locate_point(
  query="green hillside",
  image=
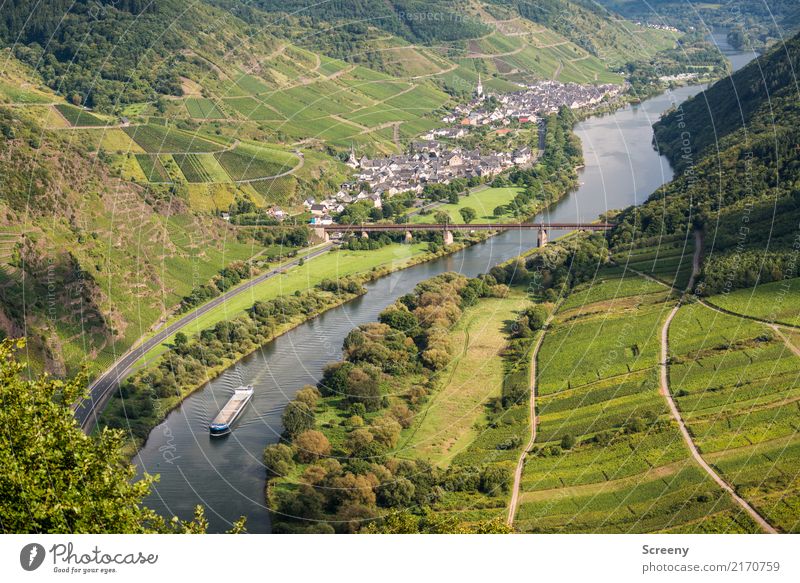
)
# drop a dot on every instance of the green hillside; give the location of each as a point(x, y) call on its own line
point(735, 150)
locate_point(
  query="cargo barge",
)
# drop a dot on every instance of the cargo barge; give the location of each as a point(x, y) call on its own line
point(223, 422)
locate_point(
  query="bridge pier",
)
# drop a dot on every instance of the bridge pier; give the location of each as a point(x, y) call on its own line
point(364, 235)
point(321, 234)
point(448, 237)
point(541, 239)
point(409, 237)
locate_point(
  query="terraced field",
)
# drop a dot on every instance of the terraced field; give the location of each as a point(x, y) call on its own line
point(202, 108)
point(737, 384)
point(251, 163)
point(668, 259)
point(777, 301)
point(163, 140)
point(608, 457)
point(201, 168)
point(79, 117)
point(152, 168)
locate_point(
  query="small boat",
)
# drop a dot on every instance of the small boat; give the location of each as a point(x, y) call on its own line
point(222, 423)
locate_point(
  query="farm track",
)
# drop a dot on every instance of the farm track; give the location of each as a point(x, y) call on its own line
point(665, 392)
point(512, 508)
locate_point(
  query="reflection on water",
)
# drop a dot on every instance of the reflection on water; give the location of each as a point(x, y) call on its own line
point(227, 475)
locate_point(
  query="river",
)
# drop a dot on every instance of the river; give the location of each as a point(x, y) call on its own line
point(227, 475)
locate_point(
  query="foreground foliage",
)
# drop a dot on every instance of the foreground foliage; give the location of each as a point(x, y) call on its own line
point(56, 479)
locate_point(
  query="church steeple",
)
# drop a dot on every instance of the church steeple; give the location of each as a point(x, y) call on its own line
point(351, 160)
point(479, 88)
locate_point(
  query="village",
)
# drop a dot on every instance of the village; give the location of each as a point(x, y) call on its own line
point(431, 161)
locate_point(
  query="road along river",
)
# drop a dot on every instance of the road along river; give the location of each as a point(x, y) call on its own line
point(227, 475)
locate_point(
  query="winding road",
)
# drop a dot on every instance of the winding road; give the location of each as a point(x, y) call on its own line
point(101, 390)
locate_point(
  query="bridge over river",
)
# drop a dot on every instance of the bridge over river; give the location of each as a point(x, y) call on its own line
point(323, 232)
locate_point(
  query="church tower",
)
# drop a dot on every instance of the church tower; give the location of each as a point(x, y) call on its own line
point(479, 88)
point(351, 160)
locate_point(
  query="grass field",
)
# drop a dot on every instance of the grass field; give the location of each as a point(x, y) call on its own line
point(333, 265)
point(450, 420)
point(109, 139)
point(737, 385)
point(483, 202)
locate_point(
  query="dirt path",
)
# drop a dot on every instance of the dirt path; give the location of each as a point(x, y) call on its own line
point(495, 55)
point(665, 392)
point(785, 339)
point(512, 508)
point(557, 72)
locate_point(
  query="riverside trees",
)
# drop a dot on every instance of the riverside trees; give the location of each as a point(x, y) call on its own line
point(366, 401)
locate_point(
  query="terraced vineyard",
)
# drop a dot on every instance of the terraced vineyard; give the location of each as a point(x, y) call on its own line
point(79, 117)
point(163, 140)
point(737, 384)
point(608, 457)
point(668, 259)
point(251, 163)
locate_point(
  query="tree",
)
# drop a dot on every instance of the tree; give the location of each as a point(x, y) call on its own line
point(278, 459)
point(386, 431)
point(468, 214)
point(495, 480)
point(311, 445)
point(499, 211)
point(57, 479)
point(452, 197)
point(442, 218)
point(309, 395)
point(360, 443)
point(396, 492)
point(297, 417)
point(568, 441)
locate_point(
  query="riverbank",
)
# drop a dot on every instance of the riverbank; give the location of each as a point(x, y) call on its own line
point(436, 361)
point(138, 425)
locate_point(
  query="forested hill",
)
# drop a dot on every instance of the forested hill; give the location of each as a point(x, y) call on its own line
point(742, 187)
point(99, 52)
point(729, 104)
point(415, 20)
